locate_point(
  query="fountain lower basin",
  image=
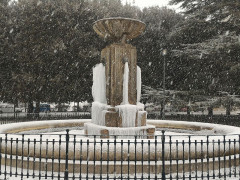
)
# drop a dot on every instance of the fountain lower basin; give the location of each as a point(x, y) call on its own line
point(45, 149)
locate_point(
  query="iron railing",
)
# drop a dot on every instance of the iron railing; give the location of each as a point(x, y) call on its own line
point(7, 118)
point(233, 120)
point(70, 156)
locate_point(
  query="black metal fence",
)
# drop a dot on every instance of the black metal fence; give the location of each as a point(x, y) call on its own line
point(233, 120)
point(24, 117)
point(69, 156)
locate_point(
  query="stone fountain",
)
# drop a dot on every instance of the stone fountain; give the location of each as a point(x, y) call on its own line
point(116, 109)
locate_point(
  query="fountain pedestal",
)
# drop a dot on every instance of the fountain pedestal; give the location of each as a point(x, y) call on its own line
point(118, 106)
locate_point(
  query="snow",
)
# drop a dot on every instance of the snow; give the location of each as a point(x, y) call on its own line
point(125, 83)
point(99, 84)
point(121, 133)
point(41, 124)
point(218, 128)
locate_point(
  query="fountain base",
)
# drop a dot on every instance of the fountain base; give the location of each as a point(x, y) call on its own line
point(106, 132)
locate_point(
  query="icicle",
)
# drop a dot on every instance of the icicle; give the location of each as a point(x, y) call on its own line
point(139, 84)
point(128, 114)
point(125, 84)
point(98, 113)
point(99, 84)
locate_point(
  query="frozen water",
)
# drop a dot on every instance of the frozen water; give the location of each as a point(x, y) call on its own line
point(139, 84)
point(99, 84)
point(128, 114)
point(98, 113)
point(125, 83)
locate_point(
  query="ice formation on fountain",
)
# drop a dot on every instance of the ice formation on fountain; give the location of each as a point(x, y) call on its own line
point(99, 106)
point(127, 111)
point(139, 84)
point(99, 84)
point(116, 89)
point(125, 83)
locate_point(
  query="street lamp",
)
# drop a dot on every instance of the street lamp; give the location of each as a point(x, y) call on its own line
point(164, 53)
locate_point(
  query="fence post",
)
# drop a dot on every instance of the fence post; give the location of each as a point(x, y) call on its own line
point(163, 155)
point(66, 159)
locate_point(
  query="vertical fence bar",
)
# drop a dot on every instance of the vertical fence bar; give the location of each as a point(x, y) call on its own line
point(177, 157)
point(5, 152)
point(207, 157)
point(229, 148)
point(142, 157)
point(107, 158)
point(22, 156)
point(196, 157)
point(189, 156)
point(115, 149)
point(163, 155)
point(94, 156)
point(202, 158)
point(66, 159)
point(183, 142)
point(11, 157)
point(239, 155)
point(53, 143)
point(128, 156)
point(224, 156)
point(121, 159)
point(170, 147)
point(74, 155)
point(148, 160)
point(28, 158)
point(80, 175)
point(101, 159)
point(87, 157)
point(16, 156)
point(234, 151)
point(1, 156)
point(59, 155)
point(46, 162)
point(219, 158)
point(34, 157)
point(40, 156)
point(156, 157)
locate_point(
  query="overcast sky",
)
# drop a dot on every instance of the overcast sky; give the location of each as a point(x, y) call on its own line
point(148, 3)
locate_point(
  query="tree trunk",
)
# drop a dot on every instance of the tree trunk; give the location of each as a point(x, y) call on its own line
point(30, 109)
point(210, 111)
point(161, 110)
point(188, 110)
point(37, 109)
point(78, 107)
point(228, 110)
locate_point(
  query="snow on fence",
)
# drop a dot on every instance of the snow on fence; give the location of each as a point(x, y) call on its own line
point(69, 156)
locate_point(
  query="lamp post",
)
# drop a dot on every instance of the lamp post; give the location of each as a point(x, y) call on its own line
point(164, 53)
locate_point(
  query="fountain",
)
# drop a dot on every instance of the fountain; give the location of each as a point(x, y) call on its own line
point(116, 109)
point(41, 148)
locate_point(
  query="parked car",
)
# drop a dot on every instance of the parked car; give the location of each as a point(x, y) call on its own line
point(43, 108)
point(9, 108)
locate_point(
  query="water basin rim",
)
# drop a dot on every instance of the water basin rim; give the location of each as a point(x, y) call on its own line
point(118, 18)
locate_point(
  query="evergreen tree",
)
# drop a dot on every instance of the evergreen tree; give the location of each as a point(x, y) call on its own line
point(215, 46)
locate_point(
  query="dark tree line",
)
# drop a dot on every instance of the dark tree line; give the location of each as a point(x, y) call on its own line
point(48, 48)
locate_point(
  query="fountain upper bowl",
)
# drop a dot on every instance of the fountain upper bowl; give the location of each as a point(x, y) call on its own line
point(119, 29)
